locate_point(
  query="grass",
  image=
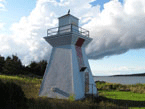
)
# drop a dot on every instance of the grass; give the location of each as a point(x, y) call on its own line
point(123, 95)
point(20, 78)
point(131, 96)
point(136, 88)
point(110, 95)
point(125, 99)
point(29, 85)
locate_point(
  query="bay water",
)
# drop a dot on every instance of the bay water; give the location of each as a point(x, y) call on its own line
point(121, 79)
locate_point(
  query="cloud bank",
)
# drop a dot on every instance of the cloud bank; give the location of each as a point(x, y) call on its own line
point(115, 29)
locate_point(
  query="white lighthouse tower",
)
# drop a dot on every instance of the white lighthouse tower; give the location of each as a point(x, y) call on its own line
point(68, 72)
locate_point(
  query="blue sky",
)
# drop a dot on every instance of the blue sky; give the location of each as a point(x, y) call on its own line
point(116, 27)
point(15, 9)
point(130, 62)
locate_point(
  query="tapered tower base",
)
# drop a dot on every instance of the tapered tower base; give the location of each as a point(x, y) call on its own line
point(63, 78)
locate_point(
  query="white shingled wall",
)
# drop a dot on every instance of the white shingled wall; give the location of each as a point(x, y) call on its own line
point(58, 73)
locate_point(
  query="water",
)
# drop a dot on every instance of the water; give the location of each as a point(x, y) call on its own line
point(121, 79)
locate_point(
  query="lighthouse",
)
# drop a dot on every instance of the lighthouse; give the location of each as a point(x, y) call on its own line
point(68, 72)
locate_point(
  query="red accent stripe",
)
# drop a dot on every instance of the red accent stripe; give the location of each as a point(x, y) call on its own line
point(78, 44)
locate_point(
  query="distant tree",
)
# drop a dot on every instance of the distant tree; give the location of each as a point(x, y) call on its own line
point(42, 64)
point(12, 66)
point(2, 62)
point(33, 67)
point(6, 66)
point(38, 68)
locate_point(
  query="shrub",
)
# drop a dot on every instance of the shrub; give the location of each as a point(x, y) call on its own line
point(72, 97)
point(12, 96)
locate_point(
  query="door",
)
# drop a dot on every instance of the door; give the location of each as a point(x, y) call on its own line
point(86, 82)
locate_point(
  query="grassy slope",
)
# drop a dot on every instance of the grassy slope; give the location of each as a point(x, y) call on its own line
point(31, 87)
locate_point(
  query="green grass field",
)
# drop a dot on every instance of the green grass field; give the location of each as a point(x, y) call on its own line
point(110, 95)
point(123, 95)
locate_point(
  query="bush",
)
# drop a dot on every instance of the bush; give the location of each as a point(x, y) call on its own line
point(12, 96)
point(72, 97)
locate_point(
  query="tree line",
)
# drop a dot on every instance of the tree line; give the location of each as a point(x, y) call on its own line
point(12, 65)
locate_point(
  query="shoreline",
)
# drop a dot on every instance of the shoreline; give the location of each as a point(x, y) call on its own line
point(138, 74)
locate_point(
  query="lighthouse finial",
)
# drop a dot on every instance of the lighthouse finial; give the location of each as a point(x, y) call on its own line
point(68, 11)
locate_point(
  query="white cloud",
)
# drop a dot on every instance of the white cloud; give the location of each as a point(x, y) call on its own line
point(2, 25)
point(2, 6)
point(5, 45)
point(115, 30)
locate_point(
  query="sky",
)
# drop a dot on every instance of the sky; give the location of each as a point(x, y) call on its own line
point(116, 26)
